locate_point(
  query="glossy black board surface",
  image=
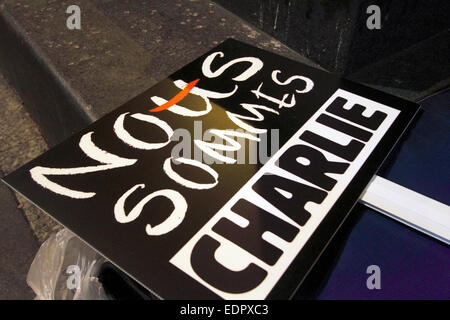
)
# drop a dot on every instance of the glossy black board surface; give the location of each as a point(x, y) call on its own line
point(191, 202)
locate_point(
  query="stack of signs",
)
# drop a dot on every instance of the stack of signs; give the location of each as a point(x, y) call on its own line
point(225, 180)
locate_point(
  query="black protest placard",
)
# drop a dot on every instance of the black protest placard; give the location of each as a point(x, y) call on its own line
point(225, 180)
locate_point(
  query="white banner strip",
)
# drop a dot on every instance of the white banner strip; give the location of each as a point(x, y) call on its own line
point(411, 208)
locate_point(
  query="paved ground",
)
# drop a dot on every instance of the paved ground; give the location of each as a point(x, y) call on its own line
point(22, 226)
point(17, 248)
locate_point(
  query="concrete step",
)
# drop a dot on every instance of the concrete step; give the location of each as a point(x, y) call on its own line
point(69, 78)
point(20, 142)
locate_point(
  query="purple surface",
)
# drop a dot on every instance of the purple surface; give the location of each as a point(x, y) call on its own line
point(413, 265)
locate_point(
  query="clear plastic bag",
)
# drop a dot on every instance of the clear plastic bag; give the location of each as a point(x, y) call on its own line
point(65, 268)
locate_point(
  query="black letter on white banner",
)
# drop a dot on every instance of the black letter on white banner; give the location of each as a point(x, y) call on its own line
point(293, 206)
point(214, 273)
point(250, 238)
point(316, 167)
